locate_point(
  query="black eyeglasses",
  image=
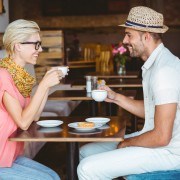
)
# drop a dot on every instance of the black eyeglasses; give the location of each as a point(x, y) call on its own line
point(37, 44)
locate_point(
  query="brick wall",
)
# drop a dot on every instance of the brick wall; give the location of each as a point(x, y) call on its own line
point(33, 10)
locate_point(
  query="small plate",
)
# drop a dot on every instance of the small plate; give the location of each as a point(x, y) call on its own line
point(104, 127)
point(83, 129)
point(94, 131)
point(98, 120)
point(49, 123)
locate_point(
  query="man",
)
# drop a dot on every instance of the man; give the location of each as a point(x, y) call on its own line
point(157, 146)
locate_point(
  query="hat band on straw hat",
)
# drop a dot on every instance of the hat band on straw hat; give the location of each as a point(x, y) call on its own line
point(130, 23)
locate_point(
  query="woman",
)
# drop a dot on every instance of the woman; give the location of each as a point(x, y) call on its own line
point(23, 45)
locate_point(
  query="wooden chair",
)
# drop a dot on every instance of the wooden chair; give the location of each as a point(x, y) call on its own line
point(104, 59)
point(89, 51)
point(95, 53)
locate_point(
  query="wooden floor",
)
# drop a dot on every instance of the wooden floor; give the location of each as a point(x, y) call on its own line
point(53, 155)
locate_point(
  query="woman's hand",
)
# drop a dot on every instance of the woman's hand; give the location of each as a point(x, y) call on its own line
point(52, 78)
point(110, 94)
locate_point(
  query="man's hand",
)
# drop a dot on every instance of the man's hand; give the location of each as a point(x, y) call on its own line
point(125, 143)
point(121, 145)
point(110, 94)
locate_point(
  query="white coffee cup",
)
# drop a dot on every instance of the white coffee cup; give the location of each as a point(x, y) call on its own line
point(99, 95)
point(64, 69)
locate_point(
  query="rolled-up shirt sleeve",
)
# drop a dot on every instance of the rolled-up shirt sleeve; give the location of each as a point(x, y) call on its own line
point(6, 84)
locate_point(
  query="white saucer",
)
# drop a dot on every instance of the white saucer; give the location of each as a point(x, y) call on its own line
point(104, 127)
point(94, 131)
point(98, 120)
point(49, 129)
point(49, 123)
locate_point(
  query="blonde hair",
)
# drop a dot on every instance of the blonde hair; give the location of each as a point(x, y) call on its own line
point(18, 31)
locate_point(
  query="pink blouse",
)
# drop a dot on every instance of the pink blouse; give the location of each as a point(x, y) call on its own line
point(9, 150)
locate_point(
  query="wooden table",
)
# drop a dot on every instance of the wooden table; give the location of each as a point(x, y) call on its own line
point(82, 95)
point(114, 132)
point(129, 74)
point(124, 83)
point(73, 95)
point(63, 95)
point(112, 83)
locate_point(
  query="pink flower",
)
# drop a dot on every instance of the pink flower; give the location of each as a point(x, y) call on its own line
point(119, 53)
point(115, 51)
point(122, 50)
point(118, 50)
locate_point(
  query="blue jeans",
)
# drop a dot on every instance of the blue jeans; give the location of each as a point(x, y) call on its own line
point(158, 175)
point(27, 169)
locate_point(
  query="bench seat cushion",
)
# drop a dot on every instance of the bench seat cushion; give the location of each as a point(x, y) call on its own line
point(157, 175)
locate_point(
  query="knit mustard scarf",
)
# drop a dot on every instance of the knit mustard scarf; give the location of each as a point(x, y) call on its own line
point(22, 79)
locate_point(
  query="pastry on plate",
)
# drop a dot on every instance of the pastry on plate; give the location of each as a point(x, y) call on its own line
point(86, 124)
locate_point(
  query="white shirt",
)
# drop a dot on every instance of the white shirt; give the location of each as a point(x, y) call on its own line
point(161, 85)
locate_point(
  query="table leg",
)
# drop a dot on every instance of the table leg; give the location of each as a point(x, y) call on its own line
point(110, 109)
point(134, 126)
point(93, 108)
point(72, 160)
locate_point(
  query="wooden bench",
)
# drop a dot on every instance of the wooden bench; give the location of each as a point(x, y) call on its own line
point(53, 47)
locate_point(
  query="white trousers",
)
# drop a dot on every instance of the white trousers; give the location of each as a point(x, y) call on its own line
point(103, 161)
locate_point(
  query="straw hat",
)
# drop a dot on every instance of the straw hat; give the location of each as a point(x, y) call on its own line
point(145, 19)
